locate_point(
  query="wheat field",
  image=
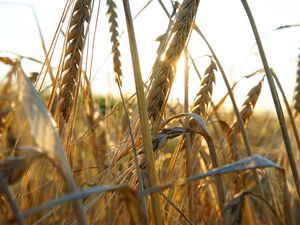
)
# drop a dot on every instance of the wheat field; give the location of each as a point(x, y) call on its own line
point(71, 156)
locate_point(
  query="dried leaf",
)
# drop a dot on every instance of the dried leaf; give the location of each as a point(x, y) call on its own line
point(160, 139)
point(257, 72)
point(196, 117)
point(249, 163)
point(43, 131)
point(40, 121)
point(129, 196)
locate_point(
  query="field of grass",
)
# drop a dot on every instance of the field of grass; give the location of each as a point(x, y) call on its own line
point(69, 156)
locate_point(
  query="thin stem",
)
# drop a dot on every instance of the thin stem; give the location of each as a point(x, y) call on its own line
point(275, 97)
point(164, 8)
point(289, 111)
point(135, 152)
point(144, 118)
point(238, 117)
point(235, 108)
point(188, 149)
point(43, 43)
point(176, 208)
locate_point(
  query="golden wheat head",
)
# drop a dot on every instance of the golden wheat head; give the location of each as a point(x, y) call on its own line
point(72, 58)
point(164, 70)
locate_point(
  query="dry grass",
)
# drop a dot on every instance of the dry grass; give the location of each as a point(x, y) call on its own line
point(137, 160)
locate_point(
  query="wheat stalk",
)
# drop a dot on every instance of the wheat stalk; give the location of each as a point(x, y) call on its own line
point(164, 70)
point(279, 111)
point(112, 13)
point(72, 58)
point(288, 109)
point(144, 118)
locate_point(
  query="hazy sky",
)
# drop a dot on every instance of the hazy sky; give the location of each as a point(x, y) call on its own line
point(224, 23)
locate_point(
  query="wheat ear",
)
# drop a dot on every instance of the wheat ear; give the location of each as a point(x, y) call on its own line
point(72, 58)
point(144, 118)
point(164, 70)
point(204, 95)
point(249, 105)
point(246, 112)
point(113, 16)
